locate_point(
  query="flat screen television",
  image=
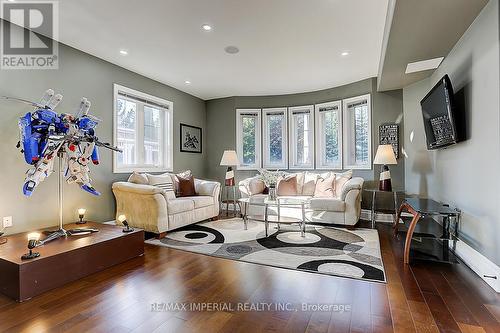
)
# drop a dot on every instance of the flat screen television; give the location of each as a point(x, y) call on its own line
point(440, 116)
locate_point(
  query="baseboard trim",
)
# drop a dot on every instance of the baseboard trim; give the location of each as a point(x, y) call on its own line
point(488, 271)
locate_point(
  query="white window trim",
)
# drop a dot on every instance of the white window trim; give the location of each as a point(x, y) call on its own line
point(320, 136)
point(291, 141)
point(349, 131)
point(258, 139)
point(265, 142)
point(167, 132)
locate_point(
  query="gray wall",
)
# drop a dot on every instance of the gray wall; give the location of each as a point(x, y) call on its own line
point(221, 122)
point(464, 175)
point(79, 75)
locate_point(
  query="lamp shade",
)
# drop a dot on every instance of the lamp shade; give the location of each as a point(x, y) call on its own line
point(385, 155)
point(229, 158)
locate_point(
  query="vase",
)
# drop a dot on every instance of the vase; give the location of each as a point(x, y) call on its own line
point(271, 196)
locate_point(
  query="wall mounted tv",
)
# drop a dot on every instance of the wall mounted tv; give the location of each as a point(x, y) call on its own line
point(443, 123)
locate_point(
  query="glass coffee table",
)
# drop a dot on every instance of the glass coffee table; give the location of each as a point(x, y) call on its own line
point(266, 204)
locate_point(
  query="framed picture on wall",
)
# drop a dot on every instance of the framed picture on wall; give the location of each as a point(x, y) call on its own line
point(190, 139)
point(389, 135)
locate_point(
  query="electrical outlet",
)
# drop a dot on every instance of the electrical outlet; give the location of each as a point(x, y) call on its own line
point(7, 221)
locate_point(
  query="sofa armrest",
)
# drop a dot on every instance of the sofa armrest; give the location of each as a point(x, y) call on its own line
point(355, 183)
point(145, 206)
point(136, 188)
point(251, 186)
point(207, 187)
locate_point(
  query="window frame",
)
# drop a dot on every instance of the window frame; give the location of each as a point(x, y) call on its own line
point(166, 132)
point(349, 134)
point(258, 139)
point(265, 139)
point(292, 140)
point(320, 136)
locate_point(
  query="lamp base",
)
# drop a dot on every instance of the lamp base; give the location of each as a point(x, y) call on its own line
point(229, 180)
point(81, 222)
point(385, 179)
point(128, 229)
point(30, 255)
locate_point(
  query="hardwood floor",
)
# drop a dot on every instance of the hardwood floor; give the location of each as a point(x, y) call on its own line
point(424, 297)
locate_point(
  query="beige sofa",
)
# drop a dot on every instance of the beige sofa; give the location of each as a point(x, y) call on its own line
point(146, 206)
point(344, 209)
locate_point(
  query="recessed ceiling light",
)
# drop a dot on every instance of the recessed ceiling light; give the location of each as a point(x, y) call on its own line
point(423, 65)
point(187, 82)
point(123, 52)
point(206, 27)
point(345, 53)
point(231, 49)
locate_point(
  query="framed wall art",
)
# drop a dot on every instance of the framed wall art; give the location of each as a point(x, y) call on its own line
point(190, 139)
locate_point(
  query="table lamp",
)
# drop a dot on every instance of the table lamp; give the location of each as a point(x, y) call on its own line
point(32, 243)
point(385, 156)
point(229, 159)
point(81, 215)
point(123, 220)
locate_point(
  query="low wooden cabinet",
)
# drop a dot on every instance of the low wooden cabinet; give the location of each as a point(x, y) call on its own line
point(64, 260)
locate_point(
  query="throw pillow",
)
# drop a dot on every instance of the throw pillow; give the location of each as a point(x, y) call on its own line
point(164, 182)
point(183, 174)
point(325, 187)
point(309, 184)
point(138, 178)
point(340, 180)
point(186, 186)
point(287, 186)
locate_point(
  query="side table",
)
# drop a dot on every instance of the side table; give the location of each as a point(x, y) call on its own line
point(227, 199)
point(374, 198)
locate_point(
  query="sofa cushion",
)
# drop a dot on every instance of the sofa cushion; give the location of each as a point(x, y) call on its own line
point(287, 185)
point(201, 200)
point(179, 205)
point(325, 187)
point(340, 180)
point(309, 183)
point(138, 178)
point(164, 182)
point(256, 186)
point(328, 204)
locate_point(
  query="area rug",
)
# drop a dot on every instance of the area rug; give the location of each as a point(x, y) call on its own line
point(324, 250)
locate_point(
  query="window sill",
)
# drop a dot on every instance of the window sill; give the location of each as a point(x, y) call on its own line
point(141, 169)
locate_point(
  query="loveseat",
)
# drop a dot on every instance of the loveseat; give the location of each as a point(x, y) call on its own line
point(344, 208)
point(149, 207)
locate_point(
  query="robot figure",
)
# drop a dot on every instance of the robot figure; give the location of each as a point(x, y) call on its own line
point(45, 135)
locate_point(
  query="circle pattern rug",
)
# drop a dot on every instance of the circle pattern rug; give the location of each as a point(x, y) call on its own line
point(323, 250)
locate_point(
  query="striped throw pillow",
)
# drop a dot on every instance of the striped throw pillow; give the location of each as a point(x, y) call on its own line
point(164, 182)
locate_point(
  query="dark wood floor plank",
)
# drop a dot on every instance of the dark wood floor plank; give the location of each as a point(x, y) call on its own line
point(453, 302)
point(441, 314)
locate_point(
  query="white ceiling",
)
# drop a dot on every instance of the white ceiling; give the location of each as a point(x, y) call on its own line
point(286, 46)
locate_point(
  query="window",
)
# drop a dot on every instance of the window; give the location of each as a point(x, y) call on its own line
point(248, 138)
point(143, 130)
point(301, 124)
point(357, 133)
point(275, 143)
point(329, 135)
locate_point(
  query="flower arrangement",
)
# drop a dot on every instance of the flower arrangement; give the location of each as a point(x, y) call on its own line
point(270, 178)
